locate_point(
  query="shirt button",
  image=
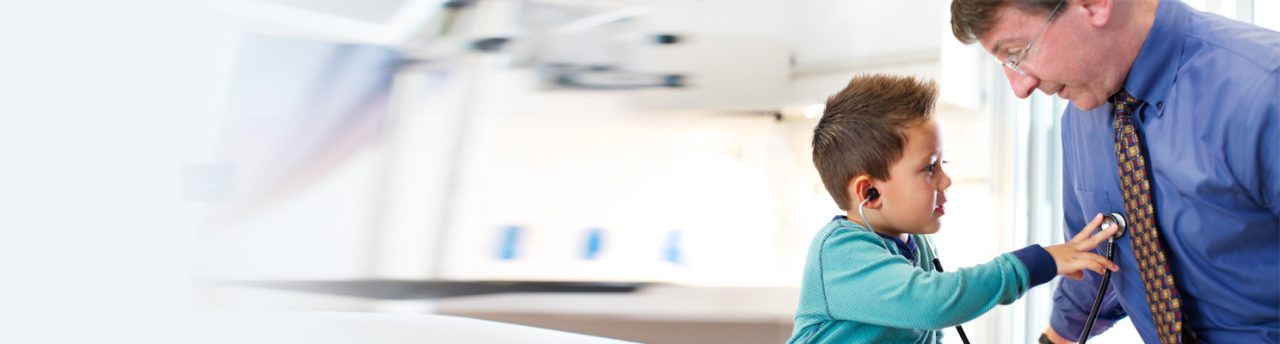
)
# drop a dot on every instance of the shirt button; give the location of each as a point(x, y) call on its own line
point(1160, 104)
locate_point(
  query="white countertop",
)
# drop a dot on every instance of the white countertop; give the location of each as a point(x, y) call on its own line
point(665, 302)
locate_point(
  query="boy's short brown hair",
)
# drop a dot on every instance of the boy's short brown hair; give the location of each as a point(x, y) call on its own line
point(861, 130)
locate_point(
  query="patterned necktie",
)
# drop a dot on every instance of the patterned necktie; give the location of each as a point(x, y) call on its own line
point(1162, 294)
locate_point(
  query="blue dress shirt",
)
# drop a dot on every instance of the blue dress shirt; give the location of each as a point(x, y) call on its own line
point(1210, 125)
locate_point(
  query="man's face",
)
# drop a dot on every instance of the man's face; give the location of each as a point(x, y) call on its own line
point(1063, 60)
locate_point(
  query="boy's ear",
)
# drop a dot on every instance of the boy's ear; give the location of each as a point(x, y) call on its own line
point(861, 188)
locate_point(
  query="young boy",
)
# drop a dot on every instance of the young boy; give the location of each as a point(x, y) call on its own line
point(872, 278)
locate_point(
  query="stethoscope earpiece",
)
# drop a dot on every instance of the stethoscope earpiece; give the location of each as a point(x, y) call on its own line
point(873, 194)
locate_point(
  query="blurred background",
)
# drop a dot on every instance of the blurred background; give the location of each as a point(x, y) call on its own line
point(637, 170)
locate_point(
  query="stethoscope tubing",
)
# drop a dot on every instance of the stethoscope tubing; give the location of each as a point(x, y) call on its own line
point(1118, 220)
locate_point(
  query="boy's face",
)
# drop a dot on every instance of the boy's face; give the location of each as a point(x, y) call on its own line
point(912, 199)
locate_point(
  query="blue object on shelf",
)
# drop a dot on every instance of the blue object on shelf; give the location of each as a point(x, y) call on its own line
point(595, 238)
point(510, 240)
point(672, 251)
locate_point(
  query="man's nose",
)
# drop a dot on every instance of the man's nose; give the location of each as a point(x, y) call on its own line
point(1022, 85)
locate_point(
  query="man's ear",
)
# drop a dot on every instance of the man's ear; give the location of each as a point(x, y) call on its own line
point(1098, 11)
point(860, 188)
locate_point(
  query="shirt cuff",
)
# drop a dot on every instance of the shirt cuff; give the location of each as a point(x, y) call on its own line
point(1040, 265)
point(1069, 329)
point(1069, 315)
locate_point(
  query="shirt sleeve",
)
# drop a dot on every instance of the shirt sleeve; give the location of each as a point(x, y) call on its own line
point(1073, 299)
point(1266, 137)
point(1039, 263)
point(865, 283)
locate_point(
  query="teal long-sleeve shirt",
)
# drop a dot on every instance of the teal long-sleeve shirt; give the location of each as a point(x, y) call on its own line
point(858, 287)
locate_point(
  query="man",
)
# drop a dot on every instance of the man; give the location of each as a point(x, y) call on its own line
point(1175, 122)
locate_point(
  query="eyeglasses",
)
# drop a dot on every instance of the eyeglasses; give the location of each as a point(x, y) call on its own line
point(1015, 60)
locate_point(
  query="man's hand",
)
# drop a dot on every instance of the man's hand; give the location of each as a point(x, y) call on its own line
point(1076, 255)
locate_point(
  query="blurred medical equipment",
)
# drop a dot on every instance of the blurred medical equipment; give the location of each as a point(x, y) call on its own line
point(569, 44)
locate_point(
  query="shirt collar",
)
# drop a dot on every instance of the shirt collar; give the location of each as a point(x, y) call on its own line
point(1153, 72)
point(908, 248)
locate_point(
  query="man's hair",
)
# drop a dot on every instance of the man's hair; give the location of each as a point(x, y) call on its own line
point(862, 129)
point(971, 19)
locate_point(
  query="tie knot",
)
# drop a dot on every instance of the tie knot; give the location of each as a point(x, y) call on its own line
point(1125, 103)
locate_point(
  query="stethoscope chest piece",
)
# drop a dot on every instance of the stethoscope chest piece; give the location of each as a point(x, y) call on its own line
point(1115, 219)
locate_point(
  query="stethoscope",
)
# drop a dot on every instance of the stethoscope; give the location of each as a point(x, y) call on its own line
point(1110, 219)
point(873, 194)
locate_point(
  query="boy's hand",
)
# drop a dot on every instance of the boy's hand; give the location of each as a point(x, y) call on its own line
point(1077, 254)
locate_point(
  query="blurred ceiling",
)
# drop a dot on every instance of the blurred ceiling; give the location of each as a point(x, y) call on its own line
point(376, 11)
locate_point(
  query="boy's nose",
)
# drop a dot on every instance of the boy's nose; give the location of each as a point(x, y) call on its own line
point(944, 182)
